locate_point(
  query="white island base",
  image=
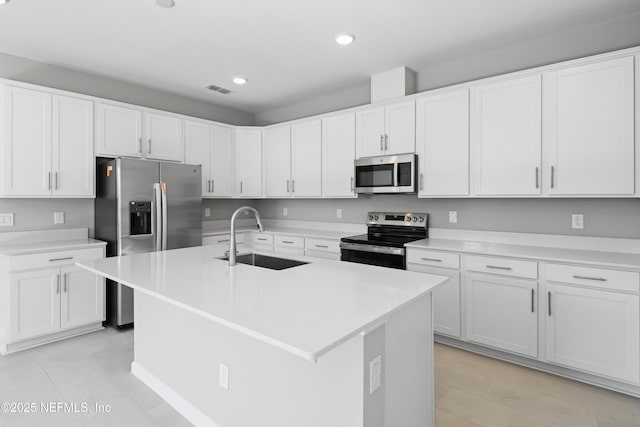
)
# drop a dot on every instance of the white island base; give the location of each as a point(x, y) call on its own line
point(178, 355)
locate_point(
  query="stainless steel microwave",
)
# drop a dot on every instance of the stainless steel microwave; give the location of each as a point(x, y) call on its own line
point(386, 174)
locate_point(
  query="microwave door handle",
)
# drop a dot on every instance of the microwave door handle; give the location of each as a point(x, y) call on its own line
point(395, 174)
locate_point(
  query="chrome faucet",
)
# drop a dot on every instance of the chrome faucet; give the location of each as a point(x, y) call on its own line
point(232, 240)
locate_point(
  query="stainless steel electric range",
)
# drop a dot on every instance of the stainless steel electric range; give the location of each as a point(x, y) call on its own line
point(387, 233)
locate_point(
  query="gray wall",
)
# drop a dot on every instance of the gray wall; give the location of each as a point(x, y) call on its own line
point(449, 69)
point(222, 209)
point(29, 71)
point(37, 214)
point(602, 217)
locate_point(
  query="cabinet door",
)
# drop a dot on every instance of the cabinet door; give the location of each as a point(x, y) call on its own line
point(72, 147)
point(221, 161)
point(594, 331)
point(27, 143)
point(248, 162)
point(197, 150)
point(400, 128)
point(277, 162)
point(370, 132)
point(118, 131)
point(82, 299)
point(589, 129)
point(442, 132)
point(501, 312)
point(506, 137)
point(164, 137)
point(34, 304)
point(306, 159)
point(338, 154)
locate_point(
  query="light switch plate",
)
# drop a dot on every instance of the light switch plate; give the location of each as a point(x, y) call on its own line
point(207, 212)
point(224, 376)
point(338, 213)
point(285, 211)
point(58, 217)
point(577, 221)
point(6, 219)
point(375, 374)
point(453, 217)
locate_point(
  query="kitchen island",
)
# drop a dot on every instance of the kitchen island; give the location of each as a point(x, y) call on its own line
point(322, 344)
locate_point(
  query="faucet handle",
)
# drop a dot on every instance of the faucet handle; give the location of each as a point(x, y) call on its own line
point(226, 253)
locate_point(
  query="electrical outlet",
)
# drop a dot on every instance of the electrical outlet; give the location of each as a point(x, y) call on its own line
point(375, 374)
point(207, 212)
point(453, 217)
point(285, 211)
point(338, 213)
point(224, 376)
point(58, 217)
point(6, 219)
point(577, 221)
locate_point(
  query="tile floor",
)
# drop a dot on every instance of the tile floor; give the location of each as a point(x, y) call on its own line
point(470, 390)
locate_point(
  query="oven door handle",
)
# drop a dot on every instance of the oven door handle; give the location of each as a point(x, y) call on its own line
point(372, 248)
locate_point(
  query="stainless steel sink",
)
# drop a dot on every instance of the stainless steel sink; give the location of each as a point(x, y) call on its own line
point(265, 261)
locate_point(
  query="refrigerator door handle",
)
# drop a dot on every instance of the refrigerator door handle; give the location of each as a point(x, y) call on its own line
point(164, 215)
point(158, 228)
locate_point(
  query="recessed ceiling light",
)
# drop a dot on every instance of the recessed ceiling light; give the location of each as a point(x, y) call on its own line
point(163, 3)
point(239, 80)
point(345, 38)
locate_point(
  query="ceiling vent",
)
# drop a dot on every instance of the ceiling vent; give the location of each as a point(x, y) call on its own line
point(219, 89)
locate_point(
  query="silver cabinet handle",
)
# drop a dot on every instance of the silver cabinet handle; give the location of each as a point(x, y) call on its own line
point(140, 145)
point(210, 191)
point(213, 185)
point(288, 191)
point(381, 142)
point(552, 175)
point(149, 147)
point(264, 239)
point(293, 185)
point(60, 259)
point(533, 296)
point(497, 267)
point(537, 177)
point(386, 141)
point(549, 302)
point(431, 259)
point(58, 284)
point(599, 279)
point(352, 184)
point(65, 283)
point(288, 242)
point(421, 180)
point(240, 187)
point(223, 240)
point(322, 246)
point(49, 180)
point(55, 180)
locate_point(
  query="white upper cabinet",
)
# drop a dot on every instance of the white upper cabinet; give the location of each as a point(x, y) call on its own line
point(306, 159)
point(338, 155)
point(388, 129)
point(47, 147)
point(72, 147)
point(277, 161)
point(589, 129)
point(118, 131)
point(442, 144)
point(221, 170)
point(248, 182)
point(197, 150)
point(506, 137)
point(163, 137)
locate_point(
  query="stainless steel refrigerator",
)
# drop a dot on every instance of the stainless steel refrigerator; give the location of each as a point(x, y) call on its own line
point(144, 206)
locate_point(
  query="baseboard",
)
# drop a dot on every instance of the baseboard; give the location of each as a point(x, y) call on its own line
point(179, 403)
point(46, 339)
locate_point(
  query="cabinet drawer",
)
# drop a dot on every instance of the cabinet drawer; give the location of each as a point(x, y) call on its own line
point(323, 245)
point(289, 241)
point(433, 258)
point(52, 259)
point(263, 238)
point(594, 277)
point(222, 239)
point(502, 266)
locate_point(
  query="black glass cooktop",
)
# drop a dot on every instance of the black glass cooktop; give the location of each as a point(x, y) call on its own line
point(381, 240)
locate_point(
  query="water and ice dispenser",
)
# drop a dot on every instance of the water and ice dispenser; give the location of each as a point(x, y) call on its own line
point(140, 218)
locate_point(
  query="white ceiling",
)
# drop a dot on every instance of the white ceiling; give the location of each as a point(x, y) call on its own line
point(285, 48)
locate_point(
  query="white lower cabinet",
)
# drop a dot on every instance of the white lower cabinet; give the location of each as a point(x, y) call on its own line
point(501, 312)
point(595, 330)
point(82, 297)
point(222, 239)
point(322, 248)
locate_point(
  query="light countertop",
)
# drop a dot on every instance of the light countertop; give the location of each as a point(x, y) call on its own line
point(291, 231)
point(306, 310)
point(17, 248)
point(601, 258)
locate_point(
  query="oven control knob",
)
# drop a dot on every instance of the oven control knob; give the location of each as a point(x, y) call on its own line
point(375, 217)
point(407, 218)
point(415, 219)
point(421, 219)
point(370, 217)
